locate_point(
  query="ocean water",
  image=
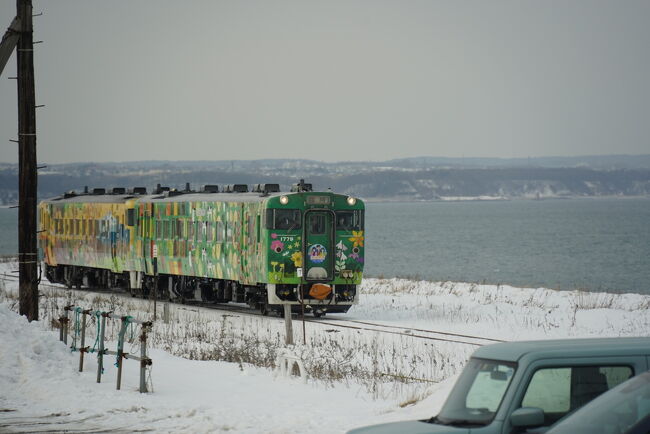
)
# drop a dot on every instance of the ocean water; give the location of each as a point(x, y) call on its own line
point(9, 231)
point(590, 244)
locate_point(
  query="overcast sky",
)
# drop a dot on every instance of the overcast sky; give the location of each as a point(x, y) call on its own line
point(334, 80)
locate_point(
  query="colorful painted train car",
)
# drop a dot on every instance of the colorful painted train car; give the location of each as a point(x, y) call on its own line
point(264, 247)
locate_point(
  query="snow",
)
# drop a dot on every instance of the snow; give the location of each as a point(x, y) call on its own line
point(230, 384)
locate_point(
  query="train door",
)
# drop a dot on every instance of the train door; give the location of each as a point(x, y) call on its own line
point(319, 245)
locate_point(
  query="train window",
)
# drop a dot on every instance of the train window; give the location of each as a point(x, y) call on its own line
point(179, 228)
point(219, 232)
point(130, 217)
point(268, 219)
point(349, 220)
point(251, 226)
point(286, 219)
point(316, 224)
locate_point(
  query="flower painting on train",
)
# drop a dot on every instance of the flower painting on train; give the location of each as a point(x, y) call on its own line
point(297, 259)
point(277, 246)
point(357, 238)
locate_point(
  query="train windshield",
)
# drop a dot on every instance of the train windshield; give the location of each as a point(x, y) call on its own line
point(349, 220)
point(283, 219)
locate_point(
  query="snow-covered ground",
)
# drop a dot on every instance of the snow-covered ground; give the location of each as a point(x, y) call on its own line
point(212, 370)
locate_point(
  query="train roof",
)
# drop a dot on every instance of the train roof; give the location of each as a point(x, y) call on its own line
point(92, 198)
point(206, 197)
point(172, 196)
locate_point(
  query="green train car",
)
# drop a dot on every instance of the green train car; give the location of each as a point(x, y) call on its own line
point(264, 247)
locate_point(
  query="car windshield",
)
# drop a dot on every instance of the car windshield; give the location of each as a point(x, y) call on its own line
point(477, 395)
point(617, 411)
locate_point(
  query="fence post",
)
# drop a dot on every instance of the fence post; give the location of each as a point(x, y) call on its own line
point(66, 321)
point(82, 348)
point(288, 324)
point(100, 354)
point(61, 327)
point(166, 312)
point(120, 350)
point(144, 360)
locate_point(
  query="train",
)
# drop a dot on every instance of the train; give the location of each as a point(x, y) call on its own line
point(258, 246)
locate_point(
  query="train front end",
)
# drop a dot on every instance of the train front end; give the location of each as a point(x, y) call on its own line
point(315, 250)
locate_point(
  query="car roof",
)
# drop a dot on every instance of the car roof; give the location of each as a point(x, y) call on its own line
point(514, 351)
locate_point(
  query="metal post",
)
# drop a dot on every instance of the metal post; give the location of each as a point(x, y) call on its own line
point(100, 355)
point(82, 348)
point(61, 326)
point(288, 324)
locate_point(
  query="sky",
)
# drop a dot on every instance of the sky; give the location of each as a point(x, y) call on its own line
point(334, 80)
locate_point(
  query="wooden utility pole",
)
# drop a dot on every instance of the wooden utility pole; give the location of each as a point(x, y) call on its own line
point(27, 184)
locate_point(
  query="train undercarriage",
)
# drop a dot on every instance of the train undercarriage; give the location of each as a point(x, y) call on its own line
point(264, 297)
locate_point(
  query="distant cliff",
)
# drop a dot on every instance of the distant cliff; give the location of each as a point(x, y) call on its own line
point(395, 180)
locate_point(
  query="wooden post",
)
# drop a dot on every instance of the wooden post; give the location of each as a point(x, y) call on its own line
point(61, 327)
point(288, 324)
point(82, 348)
point(27, 183)
point(66, 321)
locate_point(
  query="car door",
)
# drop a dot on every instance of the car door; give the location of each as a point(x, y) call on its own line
point(560, 386)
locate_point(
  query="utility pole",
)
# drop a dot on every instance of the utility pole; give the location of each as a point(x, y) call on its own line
point(27, 184)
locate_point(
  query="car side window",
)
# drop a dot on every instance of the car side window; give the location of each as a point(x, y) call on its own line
point(560, 390)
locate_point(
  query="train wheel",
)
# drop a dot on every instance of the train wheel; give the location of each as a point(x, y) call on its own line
point(264, 309)
point(318, 313)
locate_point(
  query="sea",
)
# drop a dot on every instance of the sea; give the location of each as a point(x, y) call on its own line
point(589, 244)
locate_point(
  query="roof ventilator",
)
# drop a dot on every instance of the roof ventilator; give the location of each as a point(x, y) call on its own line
point(210, 188)
point(302, 187)
point(160, 189)
point(139, 190)
point(236, 188)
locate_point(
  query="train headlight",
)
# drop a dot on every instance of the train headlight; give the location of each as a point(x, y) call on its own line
point(351, 201)
point(284, 200)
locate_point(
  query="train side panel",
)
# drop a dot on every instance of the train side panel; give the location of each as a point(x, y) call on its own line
point(85, 234)
point(212, 240)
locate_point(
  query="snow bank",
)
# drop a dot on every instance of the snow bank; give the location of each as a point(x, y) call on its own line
point(40, 388)
point(357, 371)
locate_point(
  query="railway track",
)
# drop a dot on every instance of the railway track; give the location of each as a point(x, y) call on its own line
point(419, 333)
